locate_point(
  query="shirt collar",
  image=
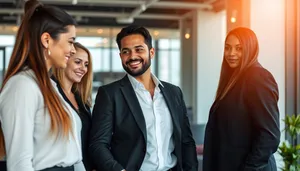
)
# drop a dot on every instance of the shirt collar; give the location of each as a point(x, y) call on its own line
point(136, 84)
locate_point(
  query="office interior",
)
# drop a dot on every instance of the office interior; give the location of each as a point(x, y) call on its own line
point(188, 36)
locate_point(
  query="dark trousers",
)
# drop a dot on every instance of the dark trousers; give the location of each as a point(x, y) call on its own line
point(71, 168)
point(3, 165)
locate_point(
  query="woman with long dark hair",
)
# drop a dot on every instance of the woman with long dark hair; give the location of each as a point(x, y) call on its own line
point(38, 130)
point(242, 132)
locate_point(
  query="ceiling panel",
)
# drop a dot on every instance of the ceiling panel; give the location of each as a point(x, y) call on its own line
point(159, 14)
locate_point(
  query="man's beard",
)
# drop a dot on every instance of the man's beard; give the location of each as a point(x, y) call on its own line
point(140, 71)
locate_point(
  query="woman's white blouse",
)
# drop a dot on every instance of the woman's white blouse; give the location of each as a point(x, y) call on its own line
point(25, 121)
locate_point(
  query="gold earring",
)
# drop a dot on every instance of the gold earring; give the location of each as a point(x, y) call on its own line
point(49, 52)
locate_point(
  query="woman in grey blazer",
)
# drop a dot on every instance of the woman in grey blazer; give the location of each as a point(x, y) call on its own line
point(38, 130)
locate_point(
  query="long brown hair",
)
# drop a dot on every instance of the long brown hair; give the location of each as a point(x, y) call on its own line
point(250, 48)
point(84, 87)
point(28, 52)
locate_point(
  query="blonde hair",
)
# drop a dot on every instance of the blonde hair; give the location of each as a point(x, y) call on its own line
point(84, 87)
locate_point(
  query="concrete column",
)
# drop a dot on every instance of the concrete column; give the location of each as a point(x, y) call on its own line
point(201, 60)
point(210, 31)
point(269, 26)
point(187, 60)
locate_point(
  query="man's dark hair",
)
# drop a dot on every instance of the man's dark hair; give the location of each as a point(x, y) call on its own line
point(134, 29)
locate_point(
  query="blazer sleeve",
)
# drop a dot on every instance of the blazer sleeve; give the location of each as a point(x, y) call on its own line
point(261, 100)
point(101, 133)
point(18, 105)
point(189, 155)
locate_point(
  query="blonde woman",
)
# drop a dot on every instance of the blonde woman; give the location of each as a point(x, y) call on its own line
point(75, 85)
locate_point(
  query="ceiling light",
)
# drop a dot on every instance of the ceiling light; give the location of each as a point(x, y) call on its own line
point(15, 28)
point(233, 19)
point(187, 34)
point(233, 16)
point(100, 31)
point(123, 20)
point(74, 2)
point(143, 7)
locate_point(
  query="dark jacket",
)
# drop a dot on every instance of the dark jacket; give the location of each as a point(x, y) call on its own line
point(118, 136)
point(242, 132)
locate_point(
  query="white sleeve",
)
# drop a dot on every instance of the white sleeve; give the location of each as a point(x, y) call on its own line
point(79, 166)
point(18, 106)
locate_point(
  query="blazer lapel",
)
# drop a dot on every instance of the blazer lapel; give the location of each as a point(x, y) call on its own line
point(134, 105)
point(169, 98)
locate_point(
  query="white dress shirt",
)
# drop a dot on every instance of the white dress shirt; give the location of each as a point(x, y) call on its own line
point(26, 127)
point(159, 128)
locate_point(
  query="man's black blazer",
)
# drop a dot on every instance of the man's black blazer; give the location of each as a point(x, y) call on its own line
point(118, 135)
